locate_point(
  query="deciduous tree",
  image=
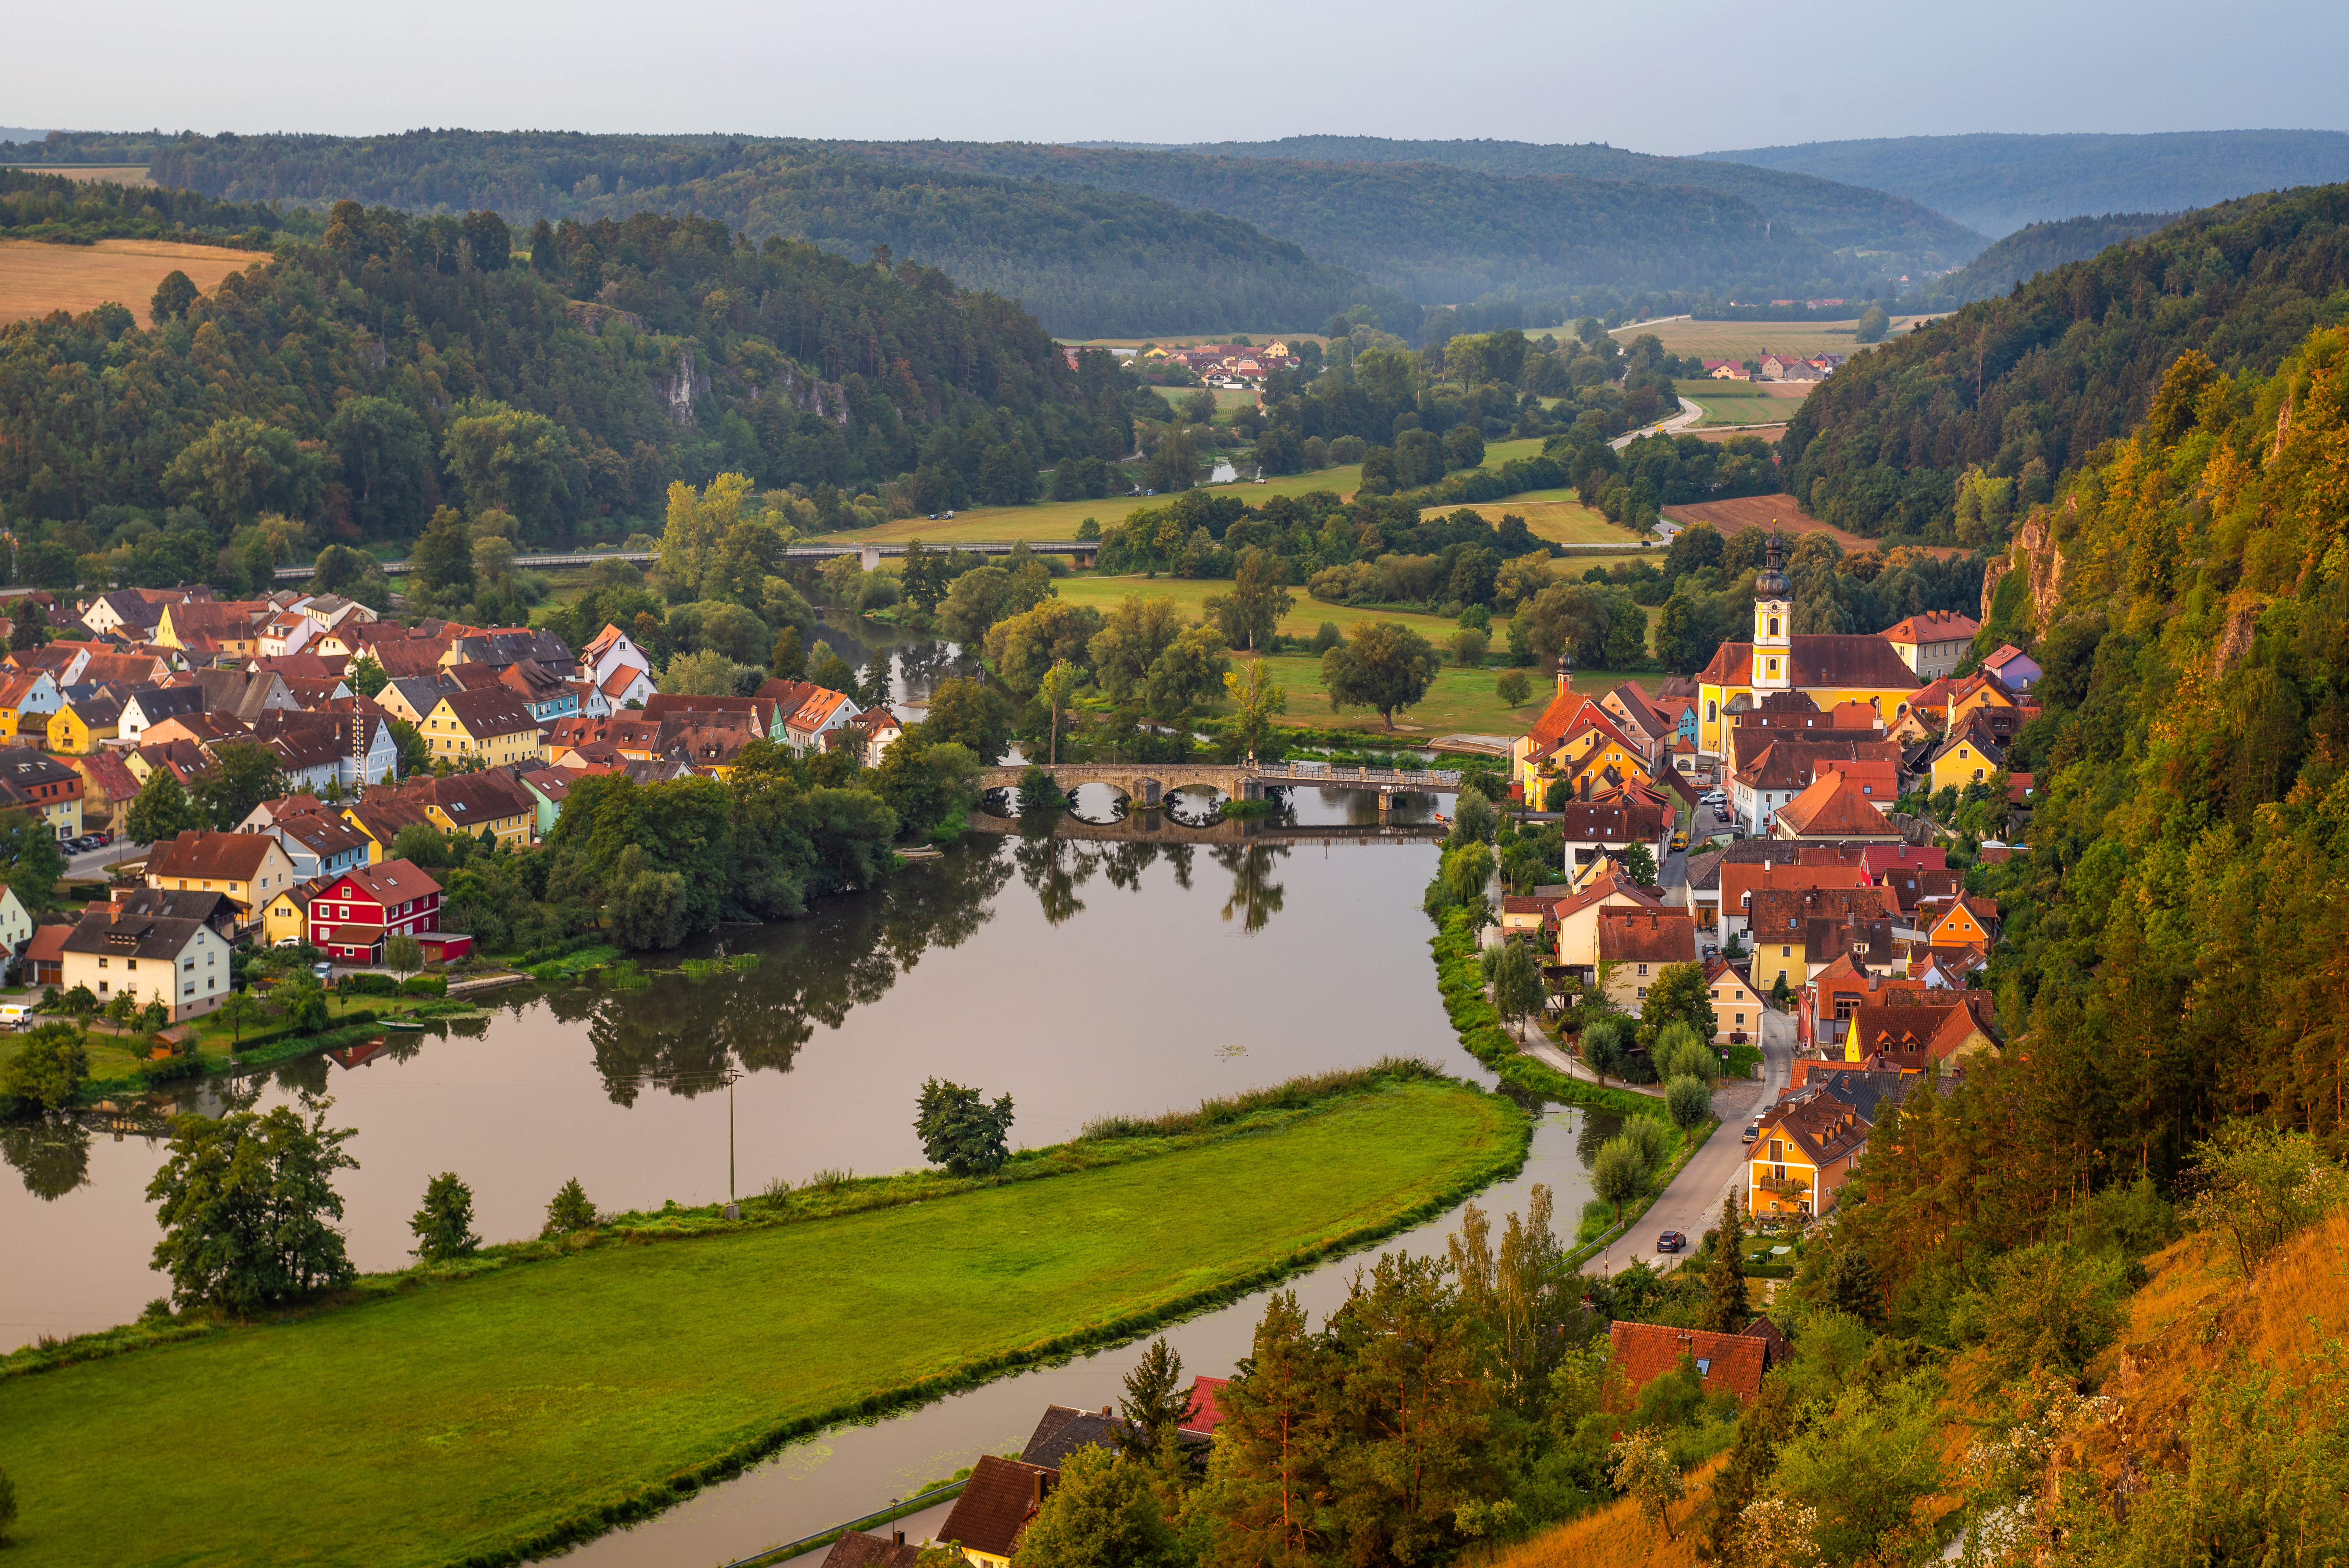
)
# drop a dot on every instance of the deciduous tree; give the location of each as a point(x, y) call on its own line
point(961, 1129)
point(1383, 666)
point(161, 811)
point(248, 1207)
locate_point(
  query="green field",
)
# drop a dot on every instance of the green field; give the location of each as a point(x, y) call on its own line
point(1461, 701)
point(1304, 618)
point(1554, 514)
point(491, 1416)
point(1060, 518)
point(1737, 403)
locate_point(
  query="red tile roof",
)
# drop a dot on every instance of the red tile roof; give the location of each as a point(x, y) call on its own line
point(996, 1505)
point(1642, 1352)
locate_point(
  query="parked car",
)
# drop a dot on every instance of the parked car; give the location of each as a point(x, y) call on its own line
point(1679, 841)
point(1671, 1241)
point(1752, 1130)
point(1715, 797)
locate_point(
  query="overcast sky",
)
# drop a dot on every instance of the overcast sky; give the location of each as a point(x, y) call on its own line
point(1685, 76)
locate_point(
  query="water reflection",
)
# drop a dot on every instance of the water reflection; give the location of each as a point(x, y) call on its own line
point(809, 972)
point(1256, 897)
point(52, 1157)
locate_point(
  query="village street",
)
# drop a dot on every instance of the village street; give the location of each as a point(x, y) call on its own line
point(1692, 1204)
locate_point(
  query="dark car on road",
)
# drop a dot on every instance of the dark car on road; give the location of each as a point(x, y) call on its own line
point(1671, 1241)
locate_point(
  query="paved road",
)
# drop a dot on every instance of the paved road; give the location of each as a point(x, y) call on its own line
point(1692, 1204)
point(1689, 414)
point(94, 862)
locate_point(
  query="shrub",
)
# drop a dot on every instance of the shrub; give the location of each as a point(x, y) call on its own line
point(443, 1227)
point(424, 985)
point(371, 985)
point(569, 1211)
point(960, 1131)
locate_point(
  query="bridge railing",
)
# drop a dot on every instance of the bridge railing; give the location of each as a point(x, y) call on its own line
point(1330, 773)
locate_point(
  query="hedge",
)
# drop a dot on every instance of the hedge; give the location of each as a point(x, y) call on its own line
point(1479, 1028)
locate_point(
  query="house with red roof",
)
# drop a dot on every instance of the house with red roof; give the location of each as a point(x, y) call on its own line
point(1640, 1352)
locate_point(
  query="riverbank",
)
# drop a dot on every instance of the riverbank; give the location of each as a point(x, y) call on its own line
point(506, 1413)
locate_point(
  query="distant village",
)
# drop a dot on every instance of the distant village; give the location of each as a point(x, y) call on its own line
point(496, 724)
point(1804, 891)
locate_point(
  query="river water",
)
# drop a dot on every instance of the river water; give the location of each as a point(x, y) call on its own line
point(1080, 977)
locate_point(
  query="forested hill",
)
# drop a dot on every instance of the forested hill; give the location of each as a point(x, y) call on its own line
point(2026, 386)
point(1998, 182)
point(1441, 234)
point(2031, 251)
point(398, 364)
point(1086, 262)
point(1909, 237)
point(2173, 938)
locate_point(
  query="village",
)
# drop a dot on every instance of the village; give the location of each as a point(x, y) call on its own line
point(1765, 823)
point(366, 727)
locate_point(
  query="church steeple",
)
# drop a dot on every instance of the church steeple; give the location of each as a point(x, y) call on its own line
point(1773, 614)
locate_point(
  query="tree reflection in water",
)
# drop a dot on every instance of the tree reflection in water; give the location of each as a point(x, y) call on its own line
point(52, 1157)
point(809, 972)
point(1253, 889)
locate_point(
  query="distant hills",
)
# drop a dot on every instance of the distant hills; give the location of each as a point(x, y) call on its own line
point(1903, 233)
point(1998, 182)
point(2039, 248)
point(1085, 263)
point(1438, 233)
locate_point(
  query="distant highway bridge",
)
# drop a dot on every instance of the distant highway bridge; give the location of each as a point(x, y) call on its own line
point(1081, 551)
point(1145, 784)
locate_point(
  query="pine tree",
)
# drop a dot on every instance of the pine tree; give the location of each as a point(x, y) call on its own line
point(444, 1225)
point(1725, 1277)
point(569, 1211)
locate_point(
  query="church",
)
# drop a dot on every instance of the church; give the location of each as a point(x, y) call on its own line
point(1828, 669)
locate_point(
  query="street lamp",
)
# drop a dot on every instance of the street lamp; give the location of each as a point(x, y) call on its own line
point(726, 1075)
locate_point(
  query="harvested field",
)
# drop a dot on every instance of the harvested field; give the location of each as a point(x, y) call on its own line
point(1556, 514)
point(97, 173)
point(1783, 512)
point(37, 278)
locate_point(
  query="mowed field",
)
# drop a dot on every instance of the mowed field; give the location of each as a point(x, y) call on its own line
point(463, 1420)
point(1744, 402)
point(1558, 515)
point(1743, 340)
point(37, 278)
point(1461, 701)
point(1061, 518)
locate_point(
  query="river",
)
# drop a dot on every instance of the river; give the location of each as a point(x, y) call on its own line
point(1078, 977)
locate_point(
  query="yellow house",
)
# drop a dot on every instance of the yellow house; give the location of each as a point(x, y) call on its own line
point(288, 914)
point(1736, 1007)
point(252, 869)
point(75, 729)
point(1967, 757)
point(1578, 742)
point(229, 626)
point(1830, 669)
point(27, 698)
point(489, 725)
point(468, 802)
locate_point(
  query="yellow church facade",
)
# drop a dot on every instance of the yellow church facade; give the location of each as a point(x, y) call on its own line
point(1828, 669)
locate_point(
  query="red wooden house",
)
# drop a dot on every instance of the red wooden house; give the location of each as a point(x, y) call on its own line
point(351, 916)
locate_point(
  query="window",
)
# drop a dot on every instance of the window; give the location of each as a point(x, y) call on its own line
point(188, 989)
point(1786, 951)
point(101, 985)
point(1643, 972)
point(189, 965)
point(131, 963)
point(1774, 627)
point(1741, 1020)
point(101, 964)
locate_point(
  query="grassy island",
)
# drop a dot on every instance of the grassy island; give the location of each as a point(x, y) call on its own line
point(482, 1418)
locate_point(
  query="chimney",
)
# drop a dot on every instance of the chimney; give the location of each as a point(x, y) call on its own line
point(1041, 1479)
point(896, 1538)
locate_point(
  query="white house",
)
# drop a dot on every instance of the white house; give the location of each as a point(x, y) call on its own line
point(611, 649)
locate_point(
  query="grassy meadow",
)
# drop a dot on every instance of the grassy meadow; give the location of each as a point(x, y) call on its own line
point(1060, 518)
point(483, 1417)
point(36, 278)
point(1743, 340)
point(1741, 402)
point(1461, 701)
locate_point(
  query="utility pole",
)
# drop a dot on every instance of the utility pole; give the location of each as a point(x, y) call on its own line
point(726, 1075)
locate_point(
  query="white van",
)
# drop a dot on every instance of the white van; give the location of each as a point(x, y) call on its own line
point(16, 1014)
